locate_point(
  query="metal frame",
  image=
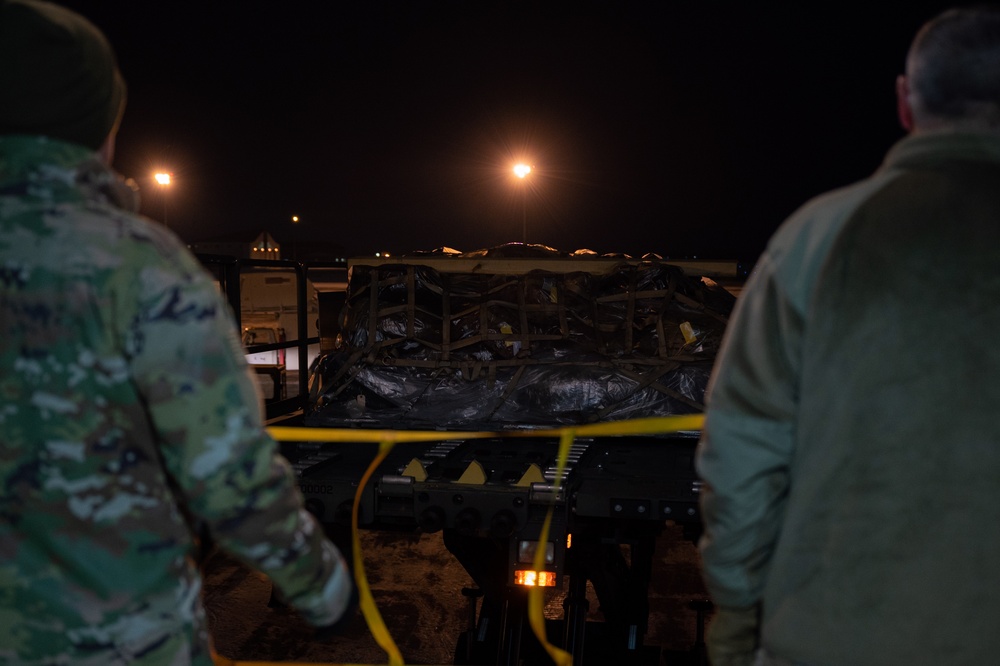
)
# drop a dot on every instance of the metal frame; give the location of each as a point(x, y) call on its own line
point(227, 270)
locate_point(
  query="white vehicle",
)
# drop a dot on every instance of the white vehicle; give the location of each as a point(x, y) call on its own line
point(269, 314)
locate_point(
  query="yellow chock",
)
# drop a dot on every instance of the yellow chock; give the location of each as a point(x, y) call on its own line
point(531, 475)
point(474, 474)
point(416, 469)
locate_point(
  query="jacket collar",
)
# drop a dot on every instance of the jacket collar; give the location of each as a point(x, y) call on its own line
point(933, 148)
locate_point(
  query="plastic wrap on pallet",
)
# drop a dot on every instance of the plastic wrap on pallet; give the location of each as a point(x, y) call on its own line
point(400, 397)
point(459, 350)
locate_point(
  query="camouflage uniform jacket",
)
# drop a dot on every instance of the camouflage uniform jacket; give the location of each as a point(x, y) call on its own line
point(127, 412)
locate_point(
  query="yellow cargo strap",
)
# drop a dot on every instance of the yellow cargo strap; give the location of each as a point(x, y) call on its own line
point(387, 439)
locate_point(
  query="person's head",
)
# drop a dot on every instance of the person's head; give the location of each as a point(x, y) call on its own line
point(58, 76)
point(952, 78)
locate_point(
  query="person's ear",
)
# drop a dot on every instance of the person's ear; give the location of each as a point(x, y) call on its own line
point(904, 109)
point(107, 149)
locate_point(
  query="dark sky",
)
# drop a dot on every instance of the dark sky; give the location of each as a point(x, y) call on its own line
point(681, 128)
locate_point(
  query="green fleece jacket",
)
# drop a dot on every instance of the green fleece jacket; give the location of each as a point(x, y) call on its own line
point(851, 453)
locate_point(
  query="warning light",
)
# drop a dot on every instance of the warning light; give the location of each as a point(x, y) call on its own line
point(569, 541)
point(532, 578)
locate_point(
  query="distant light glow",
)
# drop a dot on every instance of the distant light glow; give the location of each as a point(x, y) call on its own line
point(521, 170)
point(162, 178)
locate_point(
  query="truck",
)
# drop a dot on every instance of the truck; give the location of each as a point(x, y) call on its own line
point(512, 342)
point(278, 307)
point(269, 311)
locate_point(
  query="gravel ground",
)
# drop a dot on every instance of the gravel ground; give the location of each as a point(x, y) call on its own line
point(416, 584)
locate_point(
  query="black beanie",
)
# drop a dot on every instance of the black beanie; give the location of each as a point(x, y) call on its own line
point(58, 75)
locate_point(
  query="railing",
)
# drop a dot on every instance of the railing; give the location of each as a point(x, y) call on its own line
point(227, 271)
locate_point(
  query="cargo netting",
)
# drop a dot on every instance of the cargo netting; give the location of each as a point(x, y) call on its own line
point(425, 348)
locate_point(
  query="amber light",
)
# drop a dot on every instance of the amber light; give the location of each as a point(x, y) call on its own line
point(532, 578)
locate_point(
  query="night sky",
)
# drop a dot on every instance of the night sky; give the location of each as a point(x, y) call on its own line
point(688, 129)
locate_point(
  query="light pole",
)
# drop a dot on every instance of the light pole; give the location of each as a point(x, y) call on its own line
point(295, 223)
point(164, 180)
point(522, 170)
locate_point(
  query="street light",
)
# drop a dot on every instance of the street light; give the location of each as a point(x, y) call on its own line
point(521, 170)
point(164, 180)
point(295, 223)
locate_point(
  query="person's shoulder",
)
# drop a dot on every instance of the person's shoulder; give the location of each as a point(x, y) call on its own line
point(810, 228)
point(137, 241)
point(802, 242)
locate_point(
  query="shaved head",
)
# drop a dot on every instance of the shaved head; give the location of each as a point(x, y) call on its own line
point(953, 70)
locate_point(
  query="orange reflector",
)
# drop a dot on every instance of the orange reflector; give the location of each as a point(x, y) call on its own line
point(569, 541)
point(533, 578)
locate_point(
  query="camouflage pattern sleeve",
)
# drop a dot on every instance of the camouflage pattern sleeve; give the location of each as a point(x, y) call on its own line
point(129, 417)
point(184, 354)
